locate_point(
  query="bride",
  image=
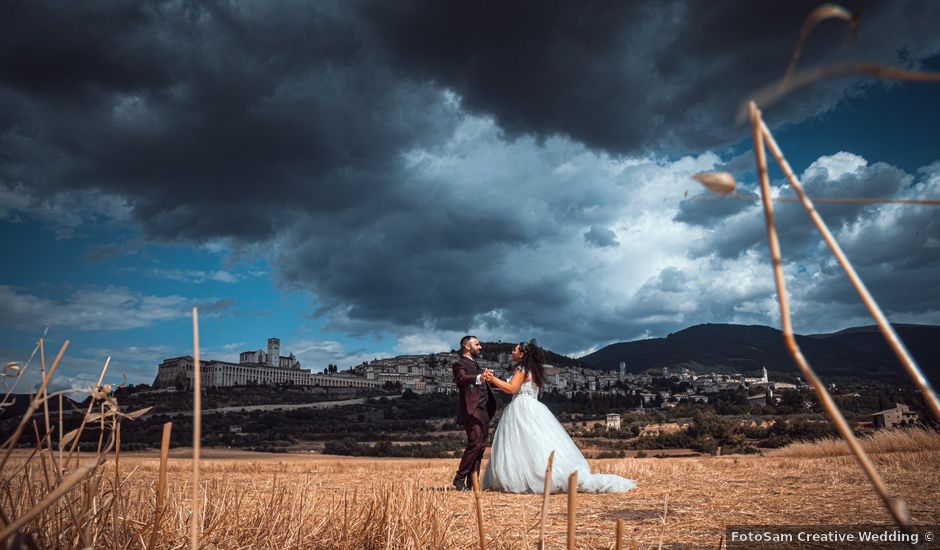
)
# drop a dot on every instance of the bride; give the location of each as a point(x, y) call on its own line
point(528, 432)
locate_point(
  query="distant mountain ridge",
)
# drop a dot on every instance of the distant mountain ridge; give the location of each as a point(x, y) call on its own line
point(18, 403)
point(859, 352)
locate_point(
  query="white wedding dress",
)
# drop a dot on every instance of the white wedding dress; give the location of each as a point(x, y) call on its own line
point(527, 433)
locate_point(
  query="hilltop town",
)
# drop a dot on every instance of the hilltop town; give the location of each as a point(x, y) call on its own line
point(403, 406)
point(431, 373)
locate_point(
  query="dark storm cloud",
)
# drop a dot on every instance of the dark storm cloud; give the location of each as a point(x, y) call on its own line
point(299, 126)
point(438, 268)
point(213, 120)
point(222, 119)
point(634, 76)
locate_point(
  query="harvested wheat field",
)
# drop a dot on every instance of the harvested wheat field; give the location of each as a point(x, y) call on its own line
point(316, 501)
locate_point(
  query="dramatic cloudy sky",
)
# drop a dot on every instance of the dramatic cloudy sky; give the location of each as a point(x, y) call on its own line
point(365, 179)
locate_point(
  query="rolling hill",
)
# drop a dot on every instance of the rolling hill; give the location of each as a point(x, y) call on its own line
point(858, 352)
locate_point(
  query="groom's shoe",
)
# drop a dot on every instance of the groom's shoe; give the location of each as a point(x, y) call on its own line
point(460, 485)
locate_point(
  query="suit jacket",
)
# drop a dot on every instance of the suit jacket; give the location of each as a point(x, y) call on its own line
point(470, 394)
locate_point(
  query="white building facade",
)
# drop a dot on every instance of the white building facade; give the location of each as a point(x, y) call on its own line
point(261, 367)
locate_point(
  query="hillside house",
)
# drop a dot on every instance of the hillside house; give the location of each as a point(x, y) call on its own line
point(900, 415)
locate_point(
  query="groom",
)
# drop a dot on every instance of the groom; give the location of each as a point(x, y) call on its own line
point(476, 405)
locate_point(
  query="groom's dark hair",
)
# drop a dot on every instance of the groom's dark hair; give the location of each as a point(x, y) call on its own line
point(465, 339)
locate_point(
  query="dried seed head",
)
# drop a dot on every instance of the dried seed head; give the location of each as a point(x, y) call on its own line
point(719, 182)
point(101, 392)
point(12, 369)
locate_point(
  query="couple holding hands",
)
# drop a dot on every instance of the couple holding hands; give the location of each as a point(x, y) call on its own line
point(527, 432)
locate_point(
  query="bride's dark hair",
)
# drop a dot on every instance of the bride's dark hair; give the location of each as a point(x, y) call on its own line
point(533, 360)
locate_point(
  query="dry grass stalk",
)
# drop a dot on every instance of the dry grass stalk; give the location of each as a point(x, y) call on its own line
point(791, 82)
point(246, 508)
point(895, 506)
point(197, 432)
point(908, 440)
point(662, 532)
point(42, 456)
point(81, 427)
point(45, 391)
point(572, 508)
point(15, 438)
point(161, 485)
point(545, 493)
point(115, 500)
point(761, 133)
point(475, 481)
point(847, 200)
point(61, 425)
point(897, 346)
point(15, 371)
point(618, 538)
point(67, 484)
point(53, 504)
point(770, 94)
point(817, 16)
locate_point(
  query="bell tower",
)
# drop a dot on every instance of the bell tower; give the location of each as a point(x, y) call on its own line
point(274, 352)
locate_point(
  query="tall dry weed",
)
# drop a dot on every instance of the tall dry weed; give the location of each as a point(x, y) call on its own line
point(906, 440)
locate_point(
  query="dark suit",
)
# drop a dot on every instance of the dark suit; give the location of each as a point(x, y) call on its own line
point(476, 406)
